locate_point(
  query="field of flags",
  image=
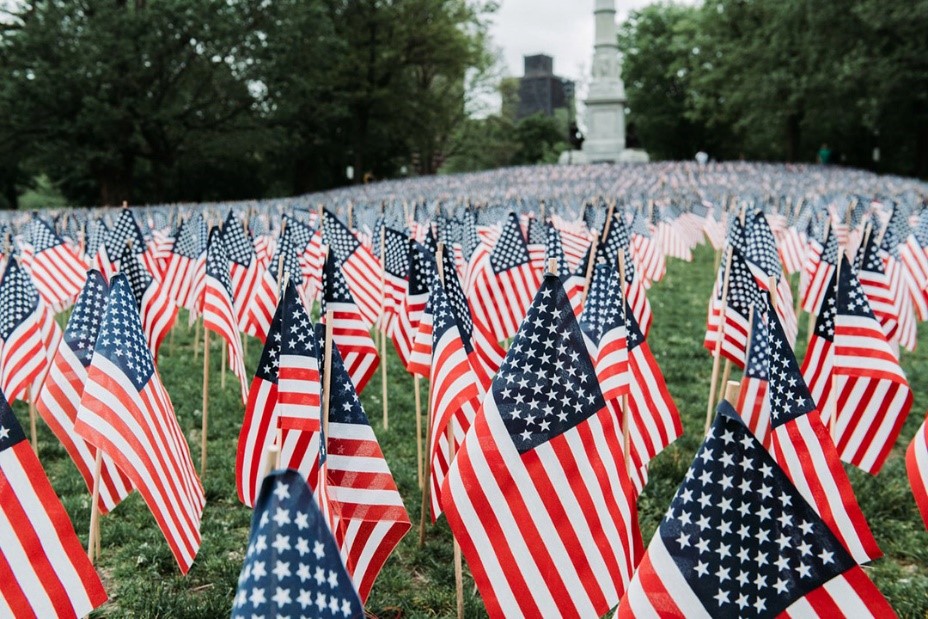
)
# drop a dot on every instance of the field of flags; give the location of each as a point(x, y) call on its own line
point(519, 305)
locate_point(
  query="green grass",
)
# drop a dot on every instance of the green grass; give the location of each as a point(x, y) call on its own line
point(143, 580)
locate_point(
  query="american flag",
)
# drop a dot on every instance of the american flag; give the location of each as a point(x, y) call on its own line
point(821, 261)
point(56, 268)
point(455, 392)
point(244, 272)
point(370, 512)
point(916, 463)
point(671, 242)
point(876, 286)
point(536, 240)
point(361, 269)
point(802, 446)
point(61, 392)
point(349, 329)
point(760, 253)
point(156, 308)
point(292, 565)
point(125, 232)
point(617, 240)
point(298, 379)
point(904, 247)
point(648, 257)
point(403, 329)
point(852, 371)
point(185, 270)
point(22, 350)
point(45, 571)
point(603, 324)
point(259, 427)
point(743, 293)
point(914, 257)
point(572, 281)
point(899, 288)
point(96, 232)
point(654, 419)
point(218, 313)
point(740, 540)
point(503, 283)
point(542, 538)
point(396, 271)
point(753, 404)
point(123, 401)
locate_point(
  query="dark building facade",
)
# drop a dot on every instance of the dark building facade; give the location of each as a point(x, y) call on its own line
point(541, 91)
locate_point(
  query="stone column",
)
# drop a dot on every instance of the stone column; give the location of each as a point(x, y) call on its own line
point(605, 102)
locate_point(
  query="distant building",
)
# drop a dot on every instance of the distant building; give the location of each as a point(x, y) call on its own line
point(541, 91)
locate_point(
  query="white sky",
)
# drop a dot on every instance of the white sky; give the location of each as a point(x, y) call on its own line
point(559, 28)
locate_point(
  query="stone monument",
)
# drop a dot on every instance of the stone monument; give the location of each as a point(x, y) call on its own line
point(605, 101)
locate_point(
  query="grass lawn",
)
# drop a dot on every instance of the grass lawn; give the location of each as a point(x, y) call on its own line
point(143, 580)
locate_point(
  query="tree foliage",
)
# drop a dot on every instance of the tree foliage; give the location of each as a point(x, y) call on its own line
point(773, 79)
point(159, 100)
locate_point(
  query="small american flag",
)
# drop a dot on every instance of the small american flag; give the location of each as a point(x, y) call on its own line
point(603, 324)
point(572, 281)
point(292, 565)
point(370, 512)
point(504, 283)
point(648, 257)
point(821, 261)
point(539, 537)
point(852, 372)
point(56, 267)
point(349, 330)
point(361, 269)
point(157, 310)
point(753, 404)
point(218, 313)
point(45, 571)
point(740, 540)
point(61, 392)
point(876, 286)
point(186, 260)
point(916, 463)
point(743, 293)
point(22, 351)
point(123, 400)
point(396, 270)
point(416, 292)
point(254, 290)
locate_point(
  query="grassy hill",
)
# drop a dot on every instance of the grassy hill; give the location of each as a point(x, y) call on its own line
point(143, 580)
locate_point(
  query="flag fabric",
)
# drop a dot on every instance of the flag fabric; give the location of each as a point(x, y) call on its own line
point(804, 449)
point(739, 539)
point(218, 312)
point(403, 330)
point(876, 286)
point(646, 253)
point(760, 253)
point(916, 464)
point(156, 309)
point(616, 240)
point(543, 512)
point(361, 270)
point(254, 291)
point(743, 294)
point(349, 329)
point(22, 352)
point(56, 268)
point(126, 412)
point(44, 571)
point(852, 371)
point(298, 382)
point(60, 396)
point(572, 280)
point(603, 324)
point(292, 566)
point(395, 269)
point(125, 232)
point(821, 261)
point(370, 512)
point(504, 283)
point(185, 262)
point(753, 404)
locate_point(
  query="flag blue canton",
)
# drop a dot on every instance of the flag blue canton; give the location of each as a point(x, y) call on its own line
point(18, 298)
point(11, 432)
point(344, 403)
point(239, 245)
point(84, 322)
point(96, 235)
point(43, 237)
point(457, 302)
point(745, 540)
point(789, 396)
point(136, 273)
point(510, 250)
point(217, 262)
point(555, 249)
point(602, 311)
point(921, 230)
point(470, 240)
point(126, 231)
point(536, 232)
point(852, 301)
point(300, 234)
point(743, 291)
point(421, 268)
point(121, 340)
point(297, 334)
point(616, 241)
point(758, 353)
point(340, 239)
point(396, 262)
point(187, 242)
point(868, 257)
point(825, 323)
point(334, 286)
point(761, 248)
point(285, 259)
point(830, 251)
point(269, 363)
point(292, 566)
point(547, 384)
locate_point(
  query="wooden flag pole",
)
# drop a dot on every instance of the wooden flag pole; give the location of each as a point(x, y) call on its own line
point(732, 389)
point(417, 380)
point(222, 365)
point(833, 417)
point(718, 341)
point(425, 479)
point(30, 395)
point(589, 267)
point(626, 417)
point(726, 374)
point(458, 568)
point(205, 402)
point(196, 339)
point(95, 507)
point(383, 317)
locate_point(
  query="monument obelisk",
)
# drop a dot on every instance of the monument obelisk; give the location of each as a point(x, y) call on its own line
point(605, 101)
